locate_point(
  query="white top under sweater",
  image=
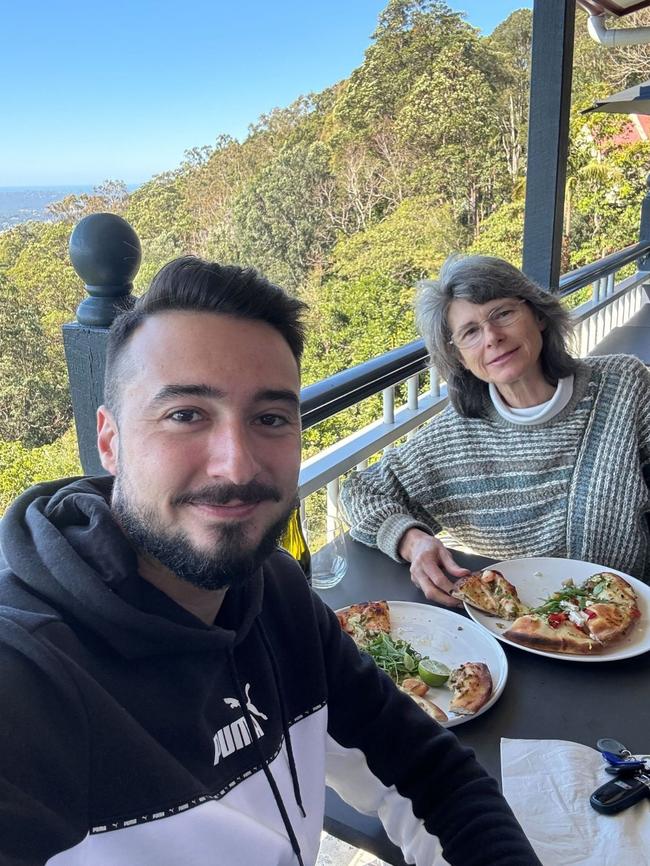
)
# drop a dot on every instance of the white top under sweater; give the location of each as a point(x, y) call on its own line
point(534, 414)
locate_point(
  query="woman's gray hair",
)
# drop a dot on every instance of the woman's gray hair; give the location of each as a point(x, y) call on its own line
point(479, 279)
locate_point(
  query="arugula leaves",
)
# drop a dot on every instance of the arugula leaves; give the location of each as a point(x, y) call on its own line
point(395, 656)
point(577, 594)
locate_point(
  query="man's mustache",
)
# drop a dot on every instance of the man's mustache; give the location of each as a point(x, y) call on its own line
point(222, 494)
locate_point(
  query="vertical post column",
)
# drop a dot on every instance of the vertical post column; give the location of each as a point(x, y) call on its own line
point(643, 263)
point(105, 252)
point(548, 137)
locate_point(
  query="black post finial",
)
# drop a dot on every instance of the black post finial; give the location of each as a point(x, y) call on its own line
point(106, 254)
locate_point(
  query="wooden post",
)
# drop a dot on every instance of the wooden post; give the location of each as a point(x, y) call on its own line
point(643, 263)
point(106, 254)
point(548, 138)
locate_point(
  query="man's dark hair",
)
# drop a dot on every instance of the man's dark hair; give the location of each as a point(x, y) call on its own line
point(190, 283)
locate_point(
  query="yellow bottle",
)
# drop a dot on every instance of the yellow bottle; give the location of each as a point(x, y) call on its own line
point(294, 542)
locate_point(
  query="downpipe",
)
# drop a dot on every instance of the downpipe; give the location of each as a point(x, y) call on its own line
point(616, 38)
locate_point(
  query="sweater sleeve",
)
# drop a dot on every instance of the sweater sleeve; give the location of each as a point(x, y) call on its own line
point(644, 422)
point(43, 753)
point(386, 756)
point(387, 499)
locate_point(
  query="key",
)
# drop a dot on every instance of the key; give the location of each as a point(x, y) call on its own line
point(612, 747)
point(620, 794)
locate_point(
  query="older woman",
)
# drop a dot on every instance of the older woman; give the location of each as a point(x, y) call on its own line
point(539, 454)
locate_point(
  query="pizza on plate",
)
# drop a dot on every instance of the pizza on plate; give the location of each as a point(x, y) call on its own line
point(471, 684)
point(362, 621)
point(579, 619)
point(369, 626)
point(490, 592)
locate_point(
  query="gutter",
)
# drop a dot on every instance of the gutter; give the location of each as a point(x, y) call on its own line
point(617, 37)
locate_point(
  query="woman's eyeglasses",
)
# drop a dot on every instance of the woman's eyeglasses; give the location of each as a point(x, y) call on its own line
point(471, 334)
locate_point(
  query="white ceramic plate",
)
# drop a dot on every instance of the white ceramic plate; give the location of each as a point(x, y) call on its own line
point(451, 639)
point(537, 578)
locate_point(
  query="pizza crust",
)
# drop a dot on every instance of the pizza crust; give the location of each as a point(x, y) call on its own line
point(471, 684)
point(534, 631)
point(608, 622)
point(490, 592)
point(422, 701)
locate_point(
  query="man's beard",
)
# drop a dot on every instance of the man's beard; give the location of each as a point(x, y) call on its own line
point(231, 560)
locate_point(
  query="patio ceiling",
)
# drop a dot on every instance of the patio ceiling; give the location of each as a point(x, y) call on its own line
point(613, 7)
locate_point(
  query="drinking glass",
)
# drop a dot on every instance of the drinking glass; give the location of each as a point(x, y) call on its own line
point(330, 562)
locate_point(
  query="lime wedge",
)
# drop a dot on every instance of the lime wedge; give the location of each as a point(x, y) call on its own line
point(433, 673)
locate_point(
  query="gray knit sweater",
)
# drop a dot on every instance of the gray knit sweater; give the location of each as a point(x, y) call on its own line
point(576, 486)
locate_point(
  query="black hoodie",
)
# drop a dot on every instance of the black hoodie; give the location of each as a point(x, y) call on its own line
point(133, 733)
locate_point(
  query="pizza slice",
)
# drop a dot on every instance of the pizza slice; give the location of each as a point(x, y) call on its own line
point(362, 621)
point(609, 587)
point(610, 605)
point(417, 690)
point(579, 619)
point(471, 684)
point(490, 592)
point(608, 622)
point(553, 632)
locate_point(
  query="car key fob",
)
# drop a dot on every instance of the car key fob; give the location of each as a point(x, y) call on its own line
point(624, 769)
point(620, 794)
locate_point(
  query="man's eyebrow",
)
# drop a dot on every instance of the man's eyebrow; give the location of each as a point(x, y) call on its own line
point(284, 395)
point(171, 392)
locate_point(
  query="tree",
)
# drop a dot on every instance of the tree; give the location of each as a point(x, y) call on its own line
point(34, 400)
point(279, 216)
point(502, 233)
point(20, 467)
point(449, 119)
point(111, 196)
point(512, 41)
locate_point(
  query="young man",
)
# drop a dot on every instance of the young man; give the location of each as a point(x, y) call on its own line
point(172, 691)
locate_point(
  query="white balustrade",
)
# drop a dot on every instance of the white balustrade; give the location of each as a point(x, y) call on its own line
point(610, 306)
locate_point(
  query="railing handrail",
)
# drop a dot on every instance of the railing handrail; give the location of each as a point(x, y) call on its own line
point(587, 274)
point(329, 396)
point(325, 398)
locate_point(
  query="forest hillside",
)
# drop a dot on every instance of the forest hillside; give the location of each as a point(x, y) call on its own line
point(346, 197)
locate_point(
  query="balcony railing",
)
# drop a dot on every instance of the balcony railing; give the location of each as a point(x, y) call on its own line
point(612, 303)
point(105, 252)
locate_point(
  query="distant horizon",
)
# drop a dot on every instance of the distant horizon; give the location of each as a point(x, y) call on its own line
point(73, 185)
point(21, 203)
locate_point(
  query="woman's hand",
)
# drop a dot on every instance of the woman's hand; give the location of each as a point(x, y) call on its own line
point(428, 557)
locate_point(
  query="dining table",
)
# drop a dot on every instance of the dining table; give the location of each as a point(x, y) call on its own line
point(544, 698)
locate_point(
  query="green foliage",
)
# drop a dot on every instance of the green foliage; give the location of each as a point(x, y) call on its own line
point(37, 291)
point(279, 216)
point(347, 197)
point(34, 400)
point(411, 243)
point(20, 467)
point(502, 233)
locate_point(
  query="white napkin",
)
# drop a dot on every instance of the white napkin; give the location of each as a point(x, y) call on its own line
point(547, 784)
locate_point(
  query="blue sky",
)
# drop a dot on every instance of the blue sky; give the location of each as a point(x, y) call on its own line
point(97, 90)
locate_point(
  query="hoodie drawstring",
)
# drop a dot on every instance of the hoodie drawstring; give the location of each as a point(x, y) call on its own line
point(265, 768)
point(283, 715)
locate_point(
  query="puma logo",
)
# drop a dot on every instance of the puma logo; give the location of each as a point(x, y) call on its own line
point(236, 735)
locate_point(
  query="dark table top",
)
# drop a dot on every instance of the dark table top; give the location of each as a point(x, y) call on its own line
point(544, 698)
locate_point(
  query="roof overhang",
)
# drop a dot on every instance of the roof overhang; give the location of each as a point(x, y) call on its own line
point(613, 7)
point(634, 100)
